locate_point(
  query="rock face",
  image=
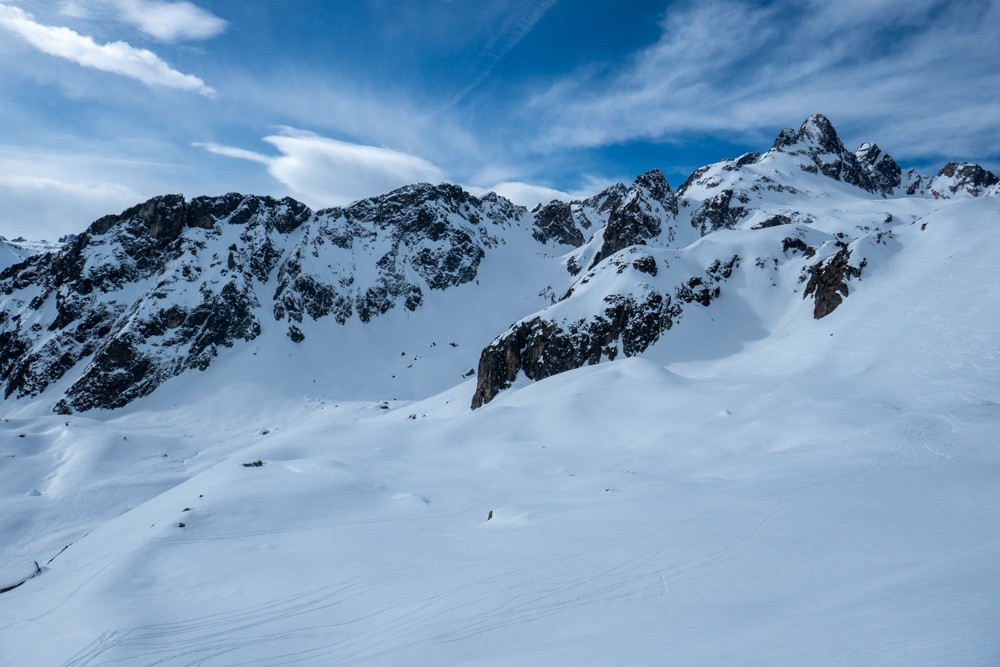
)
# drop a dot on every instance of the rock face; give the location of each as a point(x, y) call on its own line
point(144, 295)
point(572, 223)
point(752, 193)
point(627, 321)
point(828, 281)
point(961, 179)
point(647, 211)
point(165, 286)
point(884, 175)
point(817, 140)
point(168, 286)
point(418, 238)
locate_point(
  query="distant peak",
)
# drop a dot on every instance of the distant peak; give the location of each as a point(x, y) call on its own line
point(870, 154)
point(818, 124)
point(968, 170)
point(654, 182)
point(816, 132)
point(967, 177)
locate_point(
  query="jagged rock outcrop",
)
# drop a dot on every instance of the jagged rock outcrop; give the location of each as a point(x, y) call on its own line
point(627, 323)
point(884, 174)
point(961, 178)
point(817, 141)
point(420, 237)
point(167, 286)
point(720, 212)
point(572, 223)
point(554, 222)
point(163, 287)
point(647, 211)
point(135, 285)
point(828, 281)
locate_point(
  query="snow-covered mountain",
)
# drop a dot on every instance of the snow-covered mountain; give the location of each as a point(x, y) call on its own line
point(802, 220)
point(168, 286)
point(750, 419)
point(17, 250)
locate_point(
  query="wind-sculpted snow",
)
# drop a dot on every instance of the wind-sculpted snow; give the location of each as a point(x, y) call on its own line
point(781, 491)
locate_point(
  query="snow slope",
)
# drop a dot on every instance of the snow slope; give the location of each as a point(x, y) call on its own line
point(779, 490)
point(15, 252)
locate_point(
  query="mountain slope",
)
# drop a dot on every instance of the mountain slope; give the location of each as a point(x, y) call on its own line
point(788, 452)
point(166, 287)
point(821, 491)
point(806, 219)
point(400, 295)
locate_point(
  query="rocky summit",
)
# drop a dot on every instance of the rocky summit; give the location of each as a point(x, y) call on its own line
point(174, 286)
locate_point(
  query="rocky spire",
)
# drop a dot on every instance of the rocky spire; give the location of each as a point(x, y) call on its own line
point(647, 210)
point(885, 174)
point(817, 142)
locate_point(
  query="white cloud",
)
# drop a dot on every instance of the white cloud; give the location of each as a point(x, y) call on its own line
point(524, 194)
point(114, 57)
point(44, 207)
point(170, 21)
point(508, 35)
point(530, 195)
point(326, 172)
point(73, 10)
point(232, 151)
point(920, 75)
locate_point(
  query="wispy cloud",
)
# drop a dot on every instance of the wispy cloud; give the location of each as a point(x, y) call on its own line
point(509, 34)
point(327, 172)
point(50, 204)
point(921, 74)
point(170, 21)
point(524, 194)
point(114, 57)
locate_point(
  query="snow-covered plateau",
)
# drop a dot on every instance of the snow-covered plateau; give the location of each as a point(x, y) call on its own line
point(751, 420)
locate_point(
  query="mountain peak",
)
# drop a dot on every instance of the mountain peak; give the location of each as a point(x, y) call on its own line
point(962, 177)
point(816, 140)
point(816, 134)
point(884, 172)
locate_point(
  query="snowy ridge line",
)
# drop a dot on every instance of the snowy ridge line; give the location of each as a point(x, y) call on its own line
point(173, 286)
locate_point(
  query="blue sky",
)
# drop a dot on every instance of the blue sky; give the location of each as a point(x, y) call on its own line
point(105, 103)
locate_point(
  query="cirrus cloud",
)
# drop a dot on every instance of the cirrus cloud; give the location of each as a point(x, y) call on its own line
point(919, 76)
point(170, 21)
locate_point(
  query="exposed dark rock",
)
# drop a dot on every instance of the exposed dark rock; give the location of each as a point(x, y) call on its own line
point(828, 281)
point(641, 215)
point(817, 141)
point(554, 222)
point(720, 212)
point(628, 324)
point(541, 349)
point(795, 243)
point(962, 176)
point(773, 221)
point(884, 174)
point(418, 224)
point(120, 294)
